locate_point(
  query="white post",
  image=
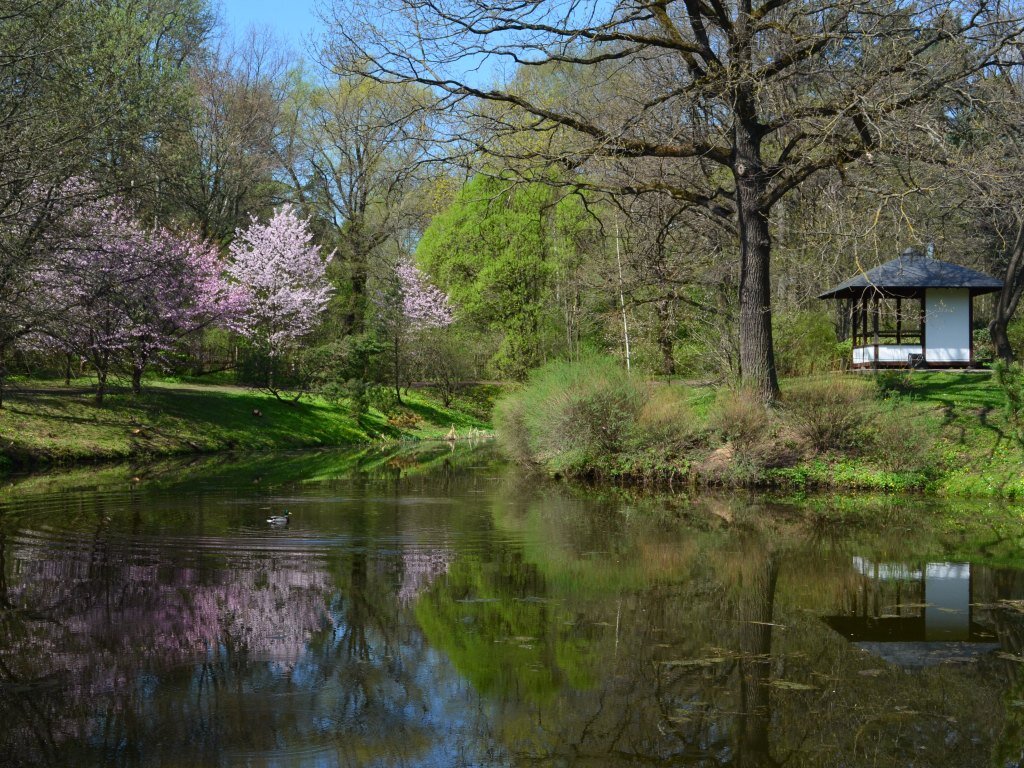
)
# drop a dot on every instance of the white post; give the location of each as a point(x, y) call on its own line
point(622, 297)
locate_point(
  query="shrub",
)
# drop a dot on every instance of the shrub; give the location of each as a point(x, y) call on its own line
point(665, 419)
point(830, 413)
point(741, 418)
point(511, 429)
point(901, 441)
point(984, 350)
point(383, 398)
point(1015, 331)
point(894, 384)
point(1010, 379)
point(571, 411)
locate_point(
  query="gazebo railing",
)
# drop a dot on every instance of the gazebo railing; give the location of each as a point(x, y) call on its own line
point(886, 337)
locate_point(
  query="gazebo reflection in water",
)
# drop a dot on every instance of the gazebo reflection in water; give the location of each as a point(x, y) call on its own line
point(921, 614)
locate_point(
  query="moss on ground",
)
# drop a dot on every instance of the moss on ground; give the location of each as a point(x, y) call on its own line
point(44, 424)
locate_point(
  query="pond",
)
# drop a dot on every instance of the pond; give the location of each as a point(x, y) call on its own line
point(441, 609)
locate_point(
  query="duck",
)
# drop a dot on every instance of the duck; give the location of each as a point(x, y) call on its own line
point(280, 519)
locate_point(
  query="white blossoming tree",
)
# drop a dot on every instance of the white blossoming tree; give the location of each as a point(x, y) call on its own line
point(284, 279)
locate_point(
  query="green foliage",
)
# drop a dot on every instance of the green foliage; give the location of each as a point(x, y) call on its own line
point(895, 383)
point(1015, 332)
point(575, 409)
point(341, 369)
point(496, 251)
point(805, 344)
point(593, 417)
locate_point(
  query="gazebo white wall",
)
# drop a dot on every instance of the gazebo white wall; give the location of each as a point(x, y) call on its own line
point(888, 354)
point(947, 314)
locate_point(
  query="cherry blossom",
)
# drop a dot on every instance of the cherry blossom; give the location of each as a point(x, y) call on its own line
point(423, 305)
point(284, 280)
point(119, 293)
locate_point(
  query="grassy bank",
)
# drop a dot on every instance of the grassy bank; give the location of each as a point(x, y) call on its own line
point(941, 433)
point(43, 424)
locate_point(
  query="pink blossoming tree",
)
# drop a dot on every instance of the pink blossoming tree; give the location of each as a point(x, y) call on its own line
point(283, 279)
point(412, 308)
point(423, 305)
point(118, 294)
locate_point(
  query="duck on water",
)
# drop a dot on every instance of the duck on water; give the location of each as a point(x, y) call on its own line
point(280, 519)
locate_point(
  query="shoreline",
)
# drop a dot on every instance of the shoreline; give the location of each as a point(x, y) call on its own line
point(47, 427)
point(934, 434)
point(818, 476)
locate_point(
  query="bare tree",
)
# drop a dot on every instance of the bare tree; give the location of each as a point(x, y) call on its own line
point(754, 98)
point(355, 152)
point(230, 153)
point(991, 161)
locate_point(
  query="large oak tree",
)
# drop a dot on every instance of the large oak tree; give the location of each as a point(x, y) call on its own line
point(752, 98)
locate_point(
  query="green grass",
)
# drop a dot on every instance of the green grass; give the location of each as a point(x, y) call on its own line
point(975, 454)
point(45, 424)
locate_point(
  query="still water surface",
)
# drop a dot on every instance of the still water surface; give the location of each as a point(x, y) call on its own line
point(441, 610)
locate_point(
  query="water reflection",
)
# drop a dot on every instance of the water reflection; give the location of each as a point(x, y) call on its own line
point(456, 615)
point(921, 615)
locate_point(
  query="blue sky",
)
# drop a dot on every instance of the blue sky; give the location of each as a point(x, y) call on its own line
point(291, 21)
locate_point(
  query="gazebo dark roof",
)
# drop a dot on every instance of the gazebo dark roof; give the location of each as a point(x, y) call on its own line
point(912, 270)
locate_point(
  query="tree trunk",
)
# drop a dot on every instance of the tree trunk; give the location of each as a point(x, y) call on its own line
point(398, 371)
point(1000, 338)
point(101, 384)
point(136, 379)
point(67, 370)
point(355, 318)
point(1008, 299)
point(666, 337)
point(757, 356)
point(357, 258)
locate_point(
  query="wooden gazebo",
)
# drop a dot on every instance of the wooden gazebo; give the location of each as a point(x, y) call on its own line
point(934, 332)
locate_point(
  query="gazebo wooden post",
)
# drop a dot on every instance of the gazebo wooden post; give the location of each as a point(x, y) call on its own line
point(874, 326)
point(864, 317)
point(899, 320)
point(924, 348)
point(854, 319)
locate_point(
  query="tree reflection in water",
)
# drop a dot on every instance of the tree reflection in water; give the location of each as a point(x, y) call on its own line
point(468, 622)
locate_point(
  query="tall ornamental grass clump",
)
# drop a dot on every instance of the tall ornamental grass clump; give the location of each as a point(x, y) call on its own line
point(830, 412)
point(577, 416)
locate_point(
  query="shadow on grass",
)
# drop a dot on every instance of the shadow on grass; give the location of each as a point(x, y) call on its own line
point(439, 416)
point(961, 389)
point(967, 402)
